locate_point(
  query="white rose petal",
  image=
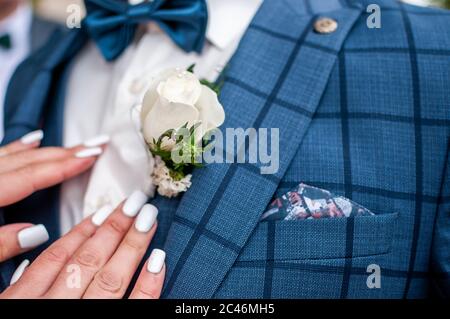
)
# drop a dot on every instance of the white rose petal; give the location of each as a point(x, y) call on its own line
point(176, 97)
point(165, 116)
point(151, 96)
point(211, 111)
point(183, 88)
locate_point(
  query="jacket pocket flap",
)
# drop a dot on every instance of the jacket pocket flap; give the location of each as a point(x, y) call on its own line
point(321, 238)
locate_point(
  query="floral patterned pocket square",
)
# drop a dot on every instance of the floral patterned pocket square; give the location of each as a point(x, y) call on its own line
point(307, 202)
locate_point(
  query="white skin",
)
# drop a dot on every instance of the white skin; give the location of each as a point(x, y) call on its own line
point(107, 256)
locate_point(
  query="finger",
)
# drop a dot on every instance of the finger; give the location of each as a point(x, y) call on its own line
point(39, 277)
point(9, 241)
point(112, 281)
point(93, 255)
point(29, 141)
point(21, 159)
point(47, 154)
point(151, 280)
point(20, 183)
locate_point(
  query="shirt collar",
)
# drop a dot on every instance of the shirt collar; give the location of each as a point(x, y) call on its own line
point(228, 20)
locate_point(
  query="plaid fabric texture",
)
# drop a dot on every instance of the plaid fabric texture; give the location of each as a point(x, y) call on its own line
point(363, 113)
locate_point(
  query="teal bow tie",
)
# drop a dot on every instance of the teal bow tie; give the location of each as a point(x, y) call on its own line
point(111, 24)
point(5, 41)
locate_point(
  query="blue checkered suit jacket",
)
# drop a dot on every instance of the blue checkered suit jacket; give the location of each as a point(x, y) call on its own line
point(362, 112)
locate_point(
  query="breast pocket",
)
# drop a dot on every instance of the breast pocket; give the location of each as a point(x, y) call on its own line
point(321, 238)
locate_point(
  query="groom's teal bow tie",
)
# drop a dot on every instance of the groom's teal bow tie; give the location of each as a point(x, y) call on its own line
point(5, 41)
point(112, 23)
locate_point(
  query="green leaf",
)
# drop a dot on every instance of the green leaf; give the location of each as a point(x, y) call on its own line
point(189, 148)
point(177, 175)
point(194, 127)
point(191, 68)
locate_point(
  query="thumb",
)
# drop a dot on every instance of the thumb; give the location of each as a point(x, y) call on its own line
point(18, 238)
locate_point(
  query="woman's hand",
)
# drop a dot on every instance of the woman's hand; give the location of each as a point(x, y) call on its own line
point(97, 259)
point(25, 169)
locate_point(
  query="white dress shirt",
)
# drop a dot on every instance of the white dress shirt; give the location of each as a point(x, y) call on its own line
point(17, 25)
point(103, 98)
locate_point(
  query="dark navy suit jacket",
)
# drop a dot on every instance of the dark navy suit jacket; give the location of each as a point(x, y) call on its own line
point(362, 112)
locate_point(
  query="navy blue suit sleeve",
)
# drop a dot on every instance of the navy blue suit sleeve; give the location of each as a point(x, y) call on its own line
point(440, 253)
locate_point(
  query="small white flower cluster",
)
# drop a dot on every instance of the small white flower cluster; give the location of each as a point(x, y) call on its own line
point(167, 186)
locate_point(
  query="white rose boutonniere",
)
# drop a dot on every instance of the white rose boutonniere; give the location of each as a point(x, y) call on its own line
point(177, 111)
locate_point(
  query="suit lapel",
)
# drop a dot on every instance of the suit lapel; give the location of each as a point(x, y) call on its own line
point(275, 80)
point(46, 75)
point(41, 30)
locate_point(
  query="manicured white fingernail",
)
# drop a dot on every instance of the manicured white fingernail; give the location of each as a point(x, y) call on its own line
point(32, 137)
point(19, 272)
point(99, 217)
point(134, 203)
point(97, 141)
point(32, 236)
point(89, 152)
point(156, 261)
point(146, 218)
